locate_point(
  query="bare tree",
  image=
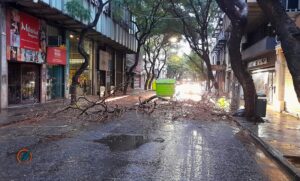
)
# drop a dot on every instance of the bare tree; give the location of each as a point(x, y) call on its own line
point(237, 11)
point(162, 62)
point(148, 64)
point(289, 36)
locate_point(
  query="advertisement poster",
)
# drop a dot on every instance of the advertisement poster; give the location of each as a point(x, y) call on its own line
point(26, 37)
point(56, 55)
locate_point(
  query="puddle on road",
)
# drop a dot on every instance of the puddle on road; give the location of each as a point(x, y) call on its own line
point(123, 142)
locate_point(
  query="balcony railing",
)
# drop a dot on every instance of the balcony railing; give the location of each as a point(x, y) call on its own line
point(261, 47)
point(221, 39)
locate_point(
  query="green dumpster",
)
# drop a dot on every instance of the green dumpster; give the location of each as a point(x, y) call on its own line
point(154, 85)
point(165, 87)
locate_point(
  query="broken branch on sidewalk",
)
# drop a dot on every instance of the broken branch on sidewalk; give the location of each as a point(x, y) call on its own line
point(103, 108)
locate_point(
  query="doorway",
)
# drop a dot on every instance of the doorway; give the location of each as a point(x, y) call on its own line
point(23, 83)
point(55, 82)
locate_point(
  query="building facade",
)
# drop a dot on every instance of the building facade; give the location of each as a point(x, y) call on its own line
point(219, 53)
point(264, 56)
point(137, 81)
point(39, 51)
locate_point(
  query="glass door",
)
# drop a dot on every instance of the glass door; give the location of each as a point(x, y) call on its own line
point(55, 86)
point(30, 83)
point(23, 83)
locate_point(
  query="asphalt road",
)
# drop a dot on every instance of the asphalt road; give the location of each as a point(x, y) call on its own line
point(133, 147)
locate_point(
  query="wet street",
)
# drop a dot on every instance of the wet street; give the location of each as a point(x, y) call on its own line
point(132, 147)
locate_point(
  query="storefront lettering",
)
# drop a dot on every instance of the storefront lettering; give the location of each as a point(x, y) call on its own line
point(56, 55)
point(31, 32)
point(262, 61)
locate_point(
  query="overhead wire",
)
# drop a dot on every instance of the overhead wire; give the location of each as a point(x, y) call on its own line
point(166, 18)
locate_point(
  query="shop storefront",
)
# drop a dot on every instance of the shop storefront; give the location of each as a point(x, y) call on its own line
point(85, 80)
point(26, 51)
point(285, 95)
point(105, 74)
point(265, 83)
point(56, 61)
point(23, 83)
point(263, 74)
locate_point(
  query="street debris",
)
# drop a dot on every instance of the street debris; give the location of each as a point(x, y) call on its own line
point(101, 110)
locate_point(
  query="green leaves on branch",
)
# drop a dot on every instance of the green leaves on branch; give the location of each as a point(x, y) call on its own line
point(76, 9)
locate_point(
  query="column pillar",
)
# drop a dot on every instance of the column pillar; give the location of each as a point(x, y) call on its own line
point(280, 65)
point(115, 59)
point(94, 69)
point(3, 64)
point(43, 94)
point(123, 70)
point(67, 67)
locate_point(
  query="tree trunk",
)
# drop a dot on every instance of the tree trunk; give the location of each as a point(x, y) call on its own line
point(210, 75)
point(82, 52)
point(240, 68)
point(235, 95)
point(152, 73)
point(150, 82)
point(208, 86)
point(146, 82)
point(237, 13)
point(159, 71)
point(129, 74)
point(289, 36)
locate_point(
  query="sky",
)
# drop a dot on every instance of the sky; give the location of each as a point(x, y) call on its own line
point(182, 48)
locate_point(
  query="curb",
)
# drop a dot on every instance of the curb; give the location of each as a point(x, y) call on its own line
point(275, 154)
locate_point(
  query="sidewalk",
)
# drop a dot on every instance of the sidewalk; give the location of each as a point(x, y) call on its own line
point(16, 114)
point(280, 134)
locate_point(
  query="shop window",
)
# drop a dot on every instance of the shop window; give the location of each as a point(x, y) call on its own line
point(23, 83)
point(85, 80)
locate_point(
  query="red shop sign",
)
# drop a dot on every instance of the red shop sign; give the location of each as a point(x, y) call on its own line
point(29, 32)
point(56, 55)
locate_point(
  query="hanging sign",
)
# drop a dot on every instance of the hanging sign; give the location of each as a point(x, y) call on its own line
point(56, 56)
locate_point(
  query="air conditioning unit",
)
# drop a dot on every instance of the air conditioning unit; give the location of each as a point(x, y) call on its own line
point(54, 41)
